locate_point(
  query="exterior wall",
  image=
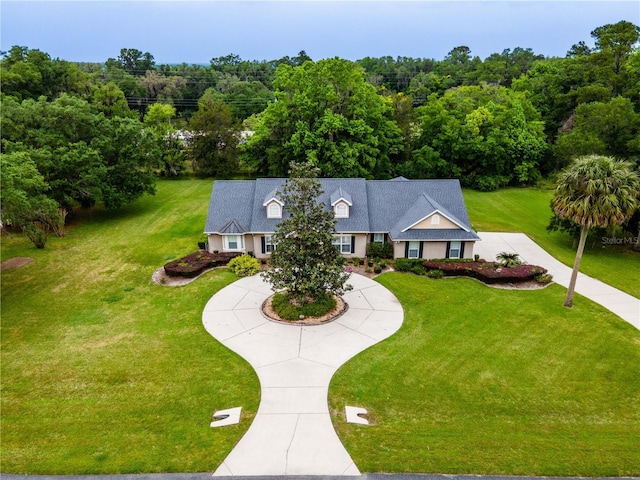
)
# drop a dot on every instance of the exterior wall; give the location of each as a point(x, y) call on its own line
point(444, 223)
point(361, 245)
point(215, 243)
point(255, 242)
point(434, 249)
point(429, 249)
point(468, 249)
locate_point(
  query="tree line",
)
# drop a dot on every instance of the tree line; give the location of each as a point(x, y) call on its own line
point(85, 133)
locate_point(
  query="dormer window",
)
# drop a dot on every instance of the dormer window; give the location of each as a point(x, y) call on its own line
point(342, 210)
point(274, 210)
point(341, 201)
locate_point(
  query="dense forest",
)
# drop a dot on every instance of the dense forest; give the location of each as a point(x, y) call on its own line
point(77, 134)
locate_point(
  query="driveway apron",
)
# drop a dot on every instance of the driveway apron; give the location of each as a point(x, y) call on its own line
point(292, 433)
point(622, 304)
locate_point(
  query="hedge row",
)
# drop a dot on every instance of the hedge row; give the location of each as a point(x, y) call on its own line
point(487, 272)
point(195, 263)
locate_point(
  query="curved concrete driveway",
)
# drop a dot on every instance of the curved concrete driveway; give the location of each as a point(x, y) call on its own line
point(622, 304)
point(292, 432)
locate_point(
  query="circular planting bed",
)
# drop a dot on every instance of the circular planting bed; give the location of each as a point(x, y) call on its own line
point(340, 308)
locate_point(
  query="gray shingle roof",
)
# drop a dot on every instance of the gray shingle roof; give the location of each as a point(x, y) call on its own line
point(233, 226)
point(376, 206)
point(340, 194)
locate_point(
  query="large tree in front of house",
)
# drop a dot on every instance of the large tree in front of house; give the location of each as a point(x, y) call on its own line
point(595, 191)
point(305, 262)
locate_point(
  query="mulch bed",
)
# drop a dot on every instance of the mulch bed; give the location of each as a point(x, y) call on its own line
point(340, 308)
point(487, 272)
point(192, 265)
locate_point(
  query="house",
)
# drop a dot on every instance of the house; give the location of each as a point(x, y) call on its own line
point(421, 218)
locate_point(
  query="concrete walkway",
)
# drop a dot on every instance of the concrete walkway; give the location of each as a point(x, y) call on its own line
point(622, 304)
point(292, 433)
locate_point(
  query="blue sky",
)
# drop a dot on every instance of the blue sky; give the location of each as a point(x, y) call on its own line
point(194, 32)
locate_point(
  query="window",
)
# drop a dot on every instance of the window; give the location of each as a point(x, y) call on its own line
point(269, 246)
point(435, 220)
point(454, 250)
point(378, 238)
point(342, 210)
point(343, 242)
point(414, 250)
point(274, 210)
point(233, 242)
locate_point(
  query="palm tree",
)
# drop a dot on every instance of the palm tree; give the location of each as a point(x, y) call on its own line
point(508, 259)
point(595, 191)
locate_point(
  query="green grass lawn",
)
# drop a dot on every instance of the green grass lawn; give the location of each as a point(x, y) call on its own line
point(104, 371)
point(527, 210)
point(487, 381)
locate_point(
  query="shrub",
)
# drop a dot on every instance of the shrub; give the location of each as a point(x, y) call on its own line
point(406, 264)
point(544, 278)
point(486, 272)
point(383, 265)
point(377, 269)
point(194, 264)
point(381, 250)
point(244, 265)
point(509, 259)
point(437, 273)
point(320, 305)
point(418, 269)
point(356, 262)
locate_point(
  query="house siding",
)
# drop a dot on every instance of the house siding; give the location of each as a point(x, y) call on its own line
point(468, 249)
point(434, 250)
point(215, 243)
point(444, 224)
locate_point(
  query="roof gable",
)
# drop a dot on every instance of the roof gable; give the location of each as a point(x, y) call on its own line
point(424, 208)
point(340, 194)
point(233, 226)
point(272, 197)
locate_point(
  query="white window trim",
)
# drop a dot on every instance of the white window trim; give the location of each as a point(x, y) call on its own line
point(345, 213)
point(342, 241)
point(239, 240)
point(458, 248)
point(380, 236)
point(417, 250)
point(269, 246)
point(271, 214)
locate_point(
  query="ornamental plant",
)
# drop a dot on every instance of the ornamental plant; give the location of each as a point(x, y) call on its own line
point(306, 263)
point(244, 265)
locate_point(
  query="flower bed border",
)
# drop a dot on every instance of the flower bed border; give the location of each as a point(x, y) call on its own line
point(486, 272)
